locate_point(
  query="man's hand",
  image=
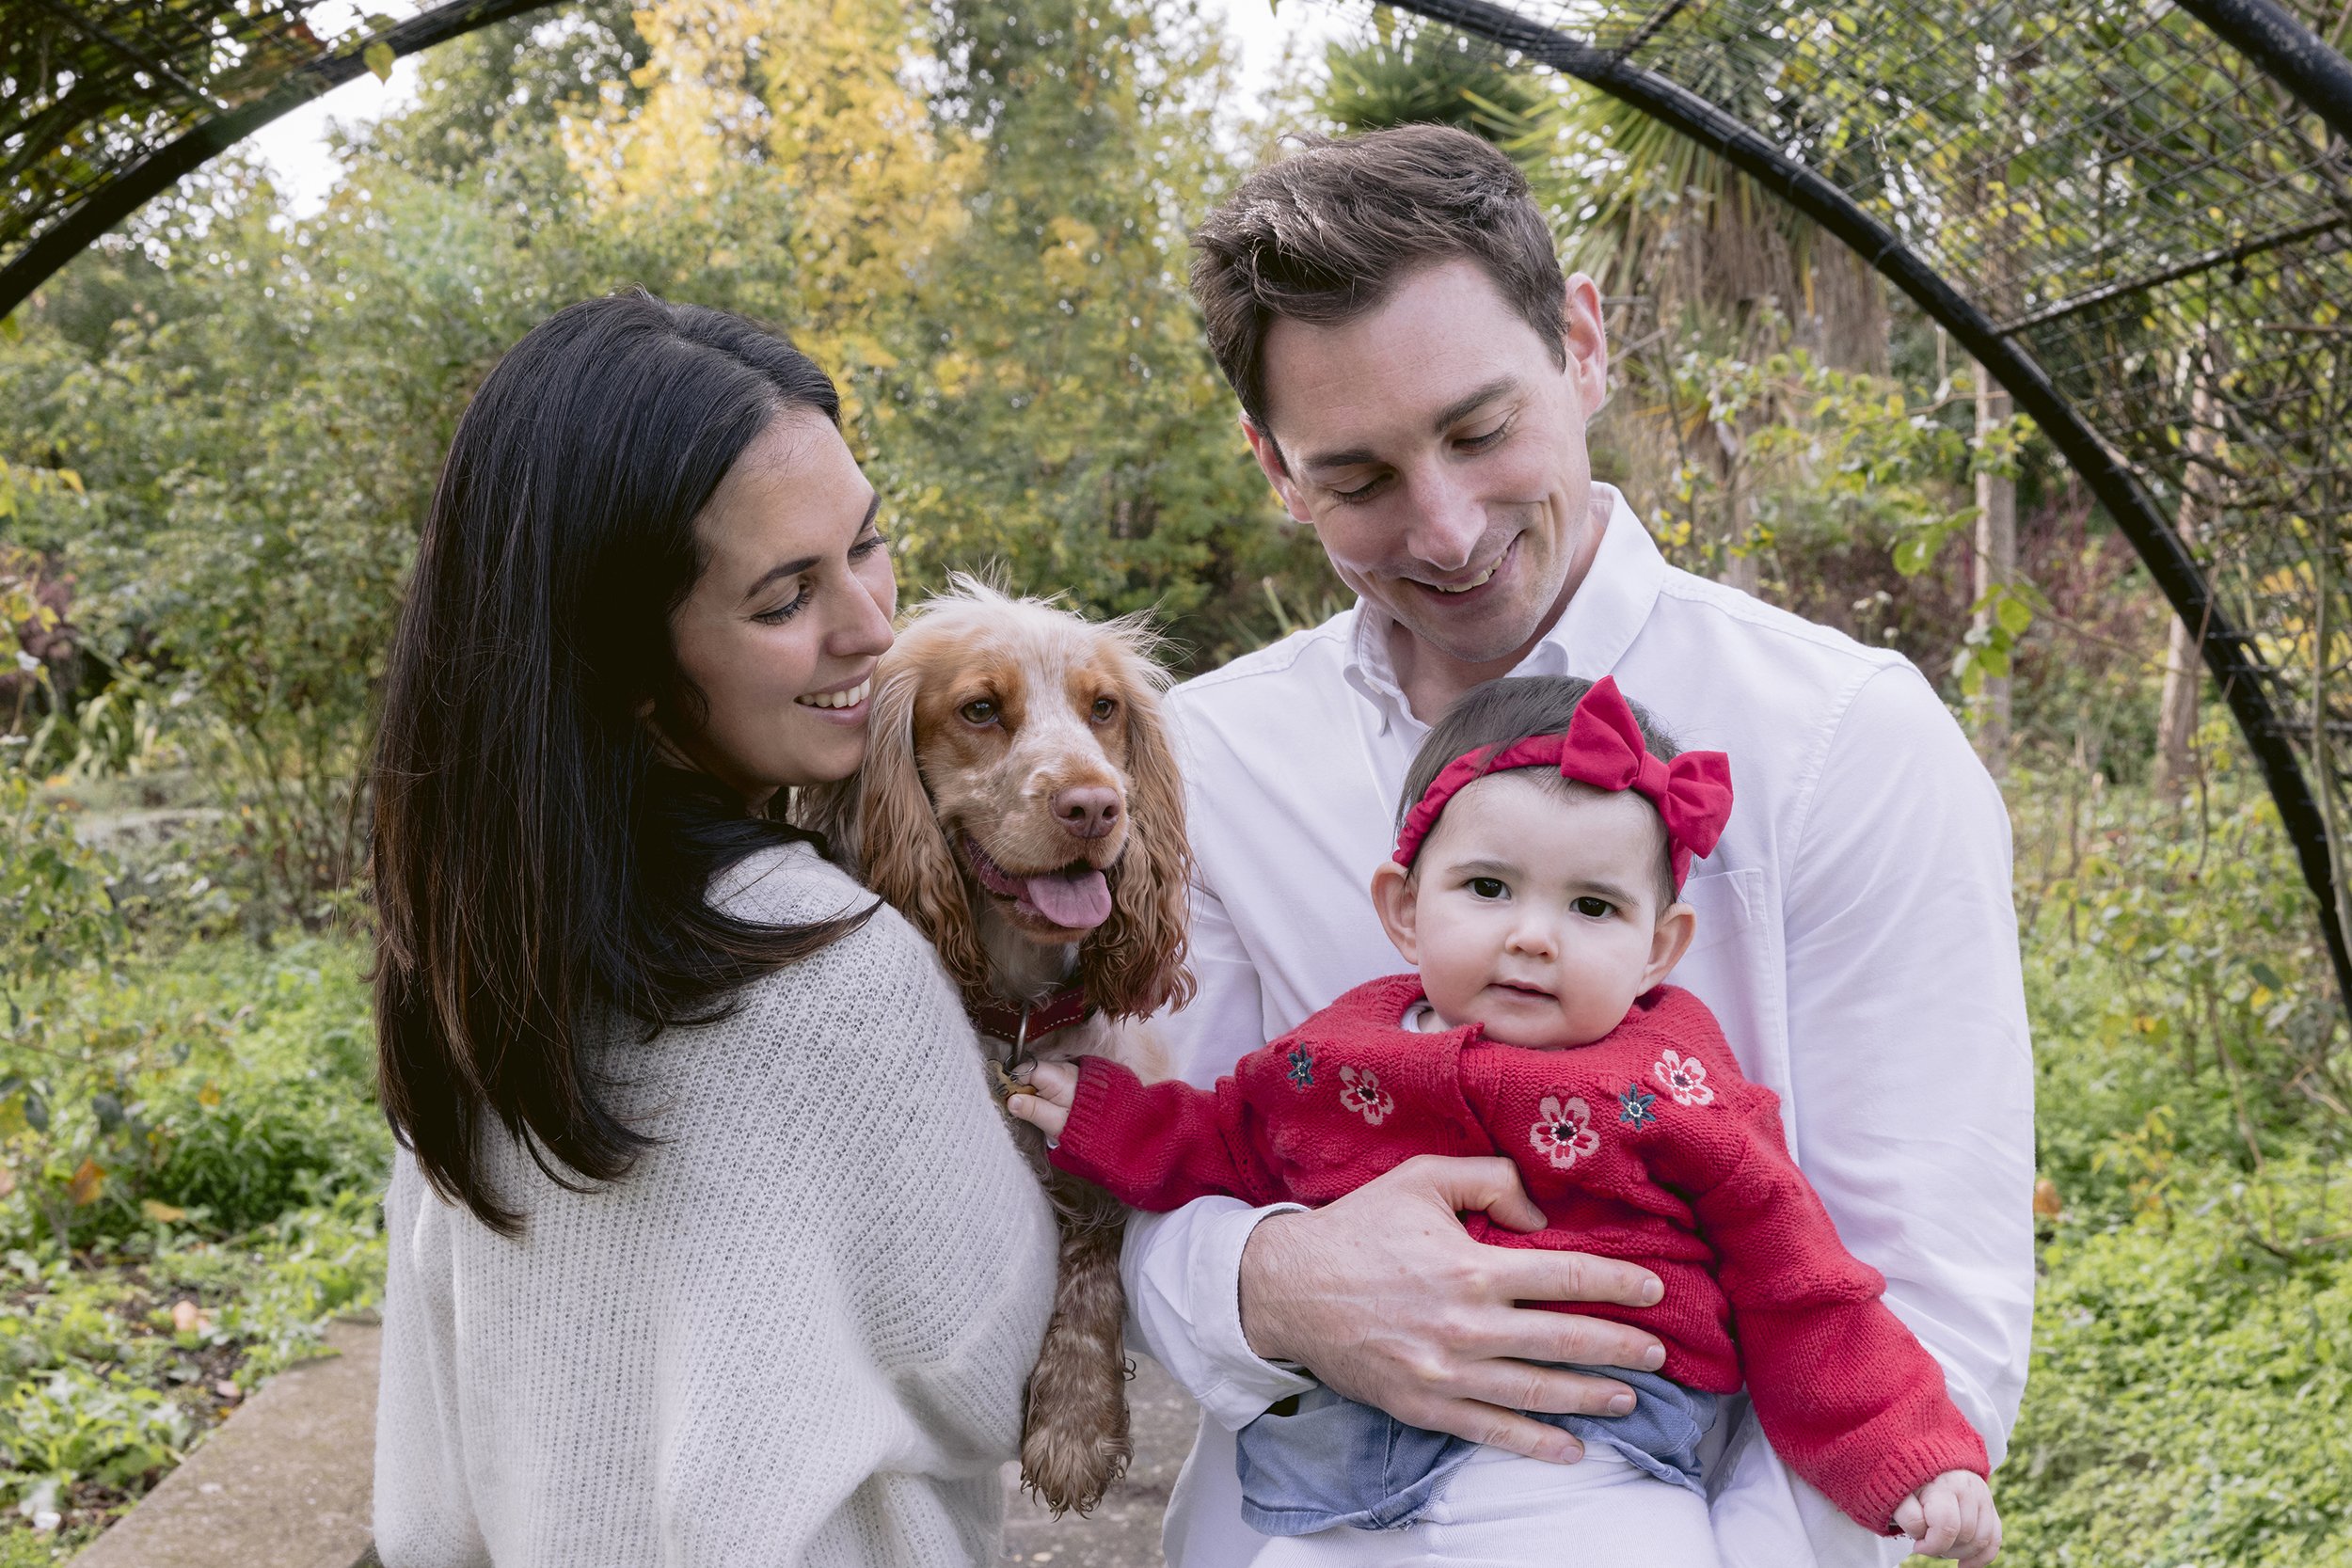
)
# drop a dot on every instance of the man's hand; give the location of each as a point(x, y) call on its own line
point(1042, 1095)
point(1385, 1297)
point(1953, 1516)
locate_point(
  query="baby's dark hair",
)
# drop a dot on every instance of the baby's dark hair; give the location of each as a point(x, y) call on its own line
point(1490, 716)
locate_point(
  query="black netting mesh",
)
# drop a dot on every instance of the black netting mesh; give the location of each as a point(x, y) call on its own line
point(2133, 203)
point(93, 87)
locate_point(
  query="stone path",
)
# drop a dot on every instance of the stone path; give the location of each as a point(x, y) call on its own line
point(277, 1487)
point(1124, 1532)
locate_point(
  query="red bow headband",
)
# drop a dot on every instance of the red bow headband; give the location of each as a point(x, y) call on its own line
point(1603, 748)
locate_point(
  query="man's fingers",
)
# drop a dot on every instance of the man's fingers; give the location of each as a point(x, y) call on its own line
point(1522, 1274)
point(1497, 1428)
point(1519, 1386)
point(1533, 1335)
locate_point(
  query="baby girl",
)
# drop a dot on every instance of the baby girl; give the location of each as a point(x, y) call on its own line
point(1536, 887)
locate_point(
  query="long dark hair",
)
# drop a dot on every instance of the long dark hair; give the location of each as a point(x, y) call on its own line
point(537, 866)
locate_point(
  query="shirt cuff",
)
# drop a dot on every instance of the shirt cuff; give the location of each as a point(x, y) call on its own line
point(1184, 1287)
point(1252, 1382)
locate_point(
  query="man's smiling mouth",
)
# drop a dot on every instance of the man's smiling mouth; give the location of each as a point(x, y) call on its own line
point(1470, 584)
point(1479, 581)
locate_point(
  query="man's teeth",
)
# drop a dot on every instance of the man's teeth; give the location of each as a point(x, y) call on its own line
point(851, 698)
point(1479, 581)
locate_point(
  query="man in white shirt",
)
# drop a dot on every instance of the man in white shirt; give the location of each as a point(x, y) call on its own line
point(1415, 377)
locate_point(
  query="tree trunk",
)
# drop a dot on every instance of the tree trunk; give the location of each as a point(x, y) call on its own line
point(2184, 657)
point(1996, 566)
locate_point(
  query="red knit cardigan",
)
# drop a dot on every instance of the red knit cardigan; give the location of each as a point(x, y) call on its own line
point(1648, 1145)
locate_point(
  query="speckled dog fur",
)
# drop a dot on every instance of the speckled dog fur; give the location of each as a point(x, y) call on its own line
point(1071, 704)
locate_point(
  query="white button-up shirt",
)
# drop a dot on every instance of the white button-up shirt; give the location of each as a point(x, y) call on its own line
point(1855, 936)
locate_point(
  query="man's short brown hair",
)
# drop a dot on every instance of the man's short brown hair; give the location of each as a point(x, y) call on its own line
point(1326, 233)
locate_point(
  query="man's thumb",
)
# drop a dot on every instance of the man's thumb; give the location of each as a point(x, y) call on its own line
point(1490, 1185)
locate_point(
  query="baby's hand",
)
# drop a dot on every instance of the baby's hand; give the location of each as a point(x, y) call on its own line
point(1052, 1086)
point(1953, 1516)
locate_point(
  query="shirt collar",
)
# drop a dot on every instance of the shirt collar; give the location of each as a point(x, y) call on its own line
point(1609, 611)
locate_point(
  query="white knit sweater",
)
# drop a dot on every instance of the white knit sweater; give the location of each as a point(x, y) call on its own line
point(797, 1333)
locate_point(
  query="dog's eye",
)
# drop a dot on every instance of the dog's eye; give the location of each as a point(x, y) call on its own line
point(980, 711)
point(1104, 709)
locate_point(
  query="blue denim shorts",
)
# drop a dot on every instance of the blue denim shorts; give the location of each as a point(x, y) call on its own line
point(1334, 1462)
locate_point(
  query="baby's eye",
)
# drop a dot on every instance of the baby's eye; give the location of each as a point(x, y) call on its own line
point(1594, 908)
point(1486, 887)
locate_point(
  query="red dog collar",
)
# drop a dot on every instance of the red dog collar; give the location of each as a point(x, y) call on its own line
point(1026, 1023)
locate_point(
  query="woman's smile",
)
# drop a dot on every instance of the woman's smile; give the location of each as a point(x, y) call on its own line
point(842, 704)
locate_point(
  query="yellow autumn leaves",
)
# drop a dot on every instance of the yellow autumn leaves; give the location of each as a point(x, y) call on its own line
point(796, 116)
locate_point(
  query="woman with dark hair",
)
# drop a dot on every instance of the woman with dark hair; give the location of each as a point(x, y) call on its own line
point(707, 1244)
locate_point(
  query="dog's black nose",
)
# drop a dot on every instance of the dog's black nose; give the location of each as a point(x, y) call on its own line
point(1088, 811)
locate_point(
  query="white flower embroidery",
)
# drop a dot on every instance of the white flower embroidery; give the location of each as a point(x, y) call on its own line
point(1361, 1093)
point(1564, 1135)
point(1684, 1077)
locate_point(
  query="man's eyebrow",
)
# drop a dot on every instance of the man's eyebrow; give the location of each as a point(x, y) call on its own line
point(1463, 408)
point(795, 567)
point(1451, 415)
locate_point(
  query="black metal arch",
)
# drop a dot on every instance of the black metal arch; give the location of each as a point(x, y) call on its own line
point(134, 186)
point(2316, 75)
point(192, 118)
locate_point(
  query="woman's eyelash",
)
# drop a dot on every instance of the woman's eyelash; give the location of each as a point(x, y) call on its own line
point(867, 545)
point(785, 612)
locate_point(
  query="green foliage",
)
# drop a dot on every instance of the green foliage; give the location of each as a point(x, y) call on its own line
point(2191, 1400)
point(226, 1211)
point(2191, 1389)
point(1055, 411)
point(1413, 73)
point(80, 1425)
point(220, 431)
point(55, 915)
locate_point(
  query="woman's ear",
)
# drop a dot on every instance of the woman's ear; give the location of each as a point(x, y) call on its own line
point(903, 855)
point(1133, 964)
point(1668, 941)
point(1395, 898)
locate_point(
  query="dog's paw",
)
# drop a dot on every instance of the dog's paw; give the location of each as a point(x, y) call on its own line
point(1068, 1464)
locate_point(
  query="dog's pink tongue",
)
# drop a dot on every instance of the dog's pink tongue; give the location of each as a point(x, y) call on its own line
point(1080, 903)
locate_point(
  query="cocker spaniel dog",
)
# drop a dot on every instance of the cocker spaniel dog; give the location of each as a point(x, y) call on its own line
point(1021, 806)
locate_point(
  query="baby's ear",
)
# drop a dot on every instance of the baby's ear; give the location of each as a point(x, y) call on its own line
point(1676, 924)
point(1393, 900)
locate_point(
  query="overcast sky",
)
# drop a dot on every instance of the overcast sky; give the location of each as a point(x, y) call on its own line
point(296, 151)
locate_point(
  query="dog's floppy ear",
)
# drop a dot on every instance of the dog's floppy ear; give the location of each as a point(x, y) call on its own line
point(902, 854)
point(830, 811)
point(1134, 964)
